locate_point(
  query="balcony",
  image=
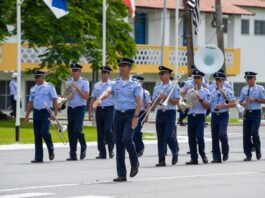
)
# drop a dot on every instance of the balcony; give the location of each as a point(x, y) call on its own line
point(147, 58)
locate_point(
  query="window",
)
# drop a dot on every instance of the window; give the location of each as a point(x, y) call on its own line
point(259, 27)
point(237, 88)
point(149, 86)
point(4, 94)
point(140, 34)
point(225, 20)
point(244, 26)
point(29, 84)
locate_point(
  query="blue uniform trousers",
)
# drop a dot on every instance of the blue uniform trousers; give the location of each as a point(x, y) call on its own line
point(196, 135)
point(219, 122)
point(75, 133)
point(41, 125)
point(251, 124)
point(104, 120)
point(138, 136)
point(166, 132)
point(124, 140)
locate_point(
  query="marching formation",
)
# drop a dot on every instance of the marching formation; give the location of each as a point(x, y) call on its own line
point(122, 106)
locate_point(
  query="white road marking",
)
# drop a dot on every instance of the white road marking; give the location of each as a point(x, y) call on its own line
point(134, 180)
point(25, 195)
point(93, 196)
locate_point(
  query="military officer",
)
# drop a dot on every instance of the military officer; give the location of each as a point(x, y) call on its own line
point(76, 112)
point(166, 116)
point(222, 99)
point(41, 94)
point(127, 94)
point(196, 118)
point(226, 84)
point(251, 97)
point(104, 114)
point(13, 94)
point(146, 103)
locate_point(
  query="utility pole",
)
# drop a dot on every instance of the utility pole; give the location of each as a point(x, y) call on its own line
point(219, 28)
point(163, 33)
point(189, 35)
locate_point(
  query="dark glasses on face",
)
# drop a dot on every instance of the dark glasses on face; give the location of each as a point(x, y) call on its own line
point(249, 77)
point(197, 77)
point(218, 79)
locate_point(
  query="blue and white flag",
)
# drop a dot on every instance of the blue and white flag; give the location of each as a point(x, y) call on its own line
point(58, 7)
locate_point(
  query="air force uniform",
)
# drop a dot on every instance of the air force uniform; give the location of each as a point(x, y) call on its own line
point(104, 116)
point(219, 121)
point(13, 93)
point(138, 139)
point(166, 121)
point(252, 117)
point(40, 96)
point(75, 114)
point(196, 122)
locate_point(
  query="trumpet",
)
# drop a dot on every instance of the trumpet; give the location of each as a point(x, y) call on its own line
point(165, 103)
point(60, 128)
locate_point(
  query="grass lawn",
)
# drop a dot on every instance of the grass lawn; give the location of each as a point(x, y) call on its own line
point(7, 133)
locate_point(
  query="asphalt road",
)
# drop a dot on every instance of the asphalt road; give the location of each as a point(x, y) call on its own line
point(93, 178)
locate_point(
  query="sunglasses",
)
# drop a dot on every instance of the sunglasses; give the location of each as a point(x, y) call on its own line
point(197, 77)
point(249, 77)
point(218, 79)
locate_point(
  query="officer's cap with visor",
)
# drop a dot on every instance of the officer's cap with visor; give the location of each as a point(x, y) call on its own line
point(105, 69)
point(38, 73)
point(163, 69)
point(75, 66)
point(125, 61)
point(250, 74)
point(138, 77)
point(197, 73)
point(219, 76)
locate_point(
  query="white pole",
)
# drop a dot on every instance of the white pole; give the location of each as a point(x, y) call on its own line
point(104, 32)
point(18, 68)
point(163, 32)
point(176, 38)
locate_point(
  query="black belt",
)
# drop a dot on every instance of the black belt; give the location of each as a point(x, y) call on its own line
point(253, 111)
point(195, 115)
point(164, 110)
point(40, 109)
point(125, 110)
point(221, 113)
point(104, 107)
point(76, 107)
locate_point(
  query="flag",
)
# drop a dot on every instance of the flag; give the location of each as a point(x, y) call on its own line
point(195, 6)
point(131, 5)
point(58, 7)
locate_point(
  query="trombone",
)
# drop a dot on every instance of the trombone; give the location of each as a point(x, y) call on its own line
point(60, 128)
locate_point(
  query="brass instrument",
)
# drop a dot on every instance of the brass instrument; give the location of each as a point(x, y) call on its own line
point(226, 100)
point(68, 94)
point(190, 99)
point(60, 128)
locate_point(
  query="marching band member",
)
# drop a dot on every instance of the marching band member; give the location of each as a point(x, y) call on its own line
point(251, 97)
point(146, 103)
point(222, 99)
point(196, 119)
point(104, 114)
point(13, 94)
point(76, 112)
point(41, 94)
point(127, 94)
point(166, 117)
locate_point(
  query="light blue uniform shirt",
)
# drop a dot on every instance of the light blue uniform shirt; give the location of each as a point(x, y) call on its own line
point(42, 93)
point(99, 88)
point(125, 93)
point(77, 100)
point(257, 92)
point(189, 84)
point(217, 97)
point(226, 84)
point(13, 88)
point(166, 89)
point(146, 99)
point(198, 108)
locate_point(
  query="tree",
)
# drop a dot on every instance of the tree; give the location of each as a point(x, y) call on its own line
point(76, 35)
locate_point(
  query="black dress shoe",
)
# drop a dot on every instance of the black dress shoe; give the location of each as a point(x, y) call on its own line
point(134, 170)
point(174, 159)
point(247, 159)
point(120, 179)
point(205, 160)
point(100, 157)
point(258, 156)
point(82, 155)
point(111, 154)
point(216, 161)
point(188, 152)
point(36, 161)
point(192, 162)
point(71, 159)
point(225, 157)
point(161, 164)
point(51, 156)
point(140, 153)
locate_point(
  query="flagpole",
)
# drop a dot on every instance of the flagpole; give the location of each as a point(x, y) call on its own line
point(104, 32)
point(176, 38)
point(19, 2)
